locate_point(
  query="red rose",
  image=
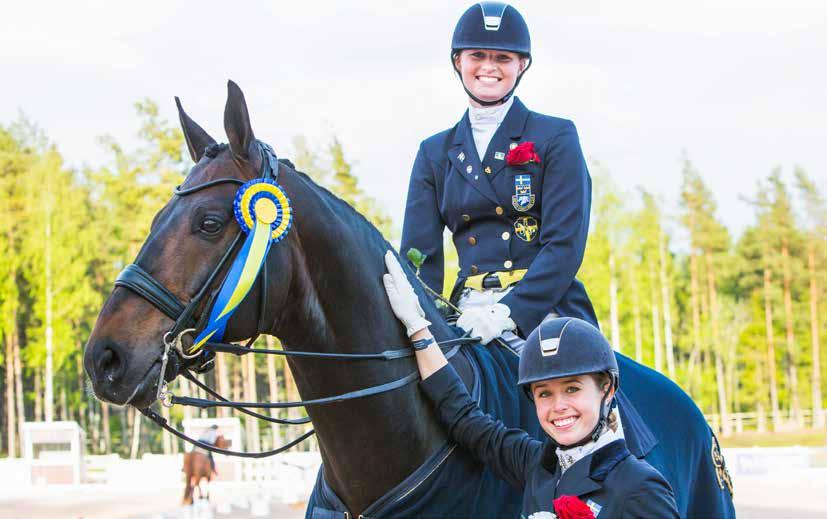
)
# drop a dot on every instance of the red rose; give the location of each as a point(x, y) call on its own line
point(522, 154)
point(570, 507)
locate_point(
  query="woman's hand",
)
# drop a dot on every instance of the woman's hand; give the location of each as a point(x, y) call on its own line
point(406, 306)
point(486, 322)
point(403, 299)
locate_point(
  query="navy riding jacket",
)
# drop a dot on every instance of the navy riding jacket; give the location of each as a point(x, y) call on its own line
point(611, 481)
point(533, 216)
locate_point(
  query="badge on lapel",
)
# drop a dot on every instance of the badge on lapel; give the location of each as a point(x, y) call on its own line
point(523, 198)
point(526, 228)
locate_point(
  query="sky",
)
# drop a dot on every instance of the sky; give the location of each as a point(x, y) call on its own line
point(740, 86)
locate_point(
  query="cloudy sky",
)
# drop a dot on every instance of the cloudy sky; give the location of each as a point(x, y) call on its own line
point(739, 84)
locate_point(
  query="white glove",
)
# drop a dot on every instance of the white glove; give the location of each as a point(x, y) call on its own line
point(486, 322)
point(403, 299)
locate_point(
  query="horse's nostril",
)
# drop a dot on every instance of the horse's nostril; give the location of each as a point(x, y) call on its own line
point(110, 363)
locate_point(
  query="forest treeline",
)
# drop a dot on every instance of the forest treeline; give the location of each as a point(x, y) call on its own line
point(734, 320)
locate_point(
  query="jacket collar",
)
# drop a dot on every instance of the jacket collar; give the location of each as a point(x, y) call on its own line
point(465, 159)
point(587, 474)
point(463, 152)
point(511, 130)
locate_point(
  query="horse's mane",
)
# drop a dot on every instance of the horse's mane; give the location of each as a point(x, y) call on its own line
point(365, 225)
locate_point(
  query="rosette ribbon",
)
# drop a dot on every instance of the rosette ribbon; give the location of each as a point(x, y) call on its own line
point(264, 214)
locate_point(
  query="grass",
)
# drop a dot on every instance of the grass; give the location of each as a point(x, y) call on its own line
point(803, 437)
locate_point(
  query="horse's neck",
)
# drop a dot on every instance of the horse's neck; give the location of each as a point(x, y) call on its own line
point(337, 303)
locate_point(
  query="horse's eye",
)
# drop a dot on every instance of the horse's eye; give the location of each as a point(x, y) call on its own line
point(210, 225)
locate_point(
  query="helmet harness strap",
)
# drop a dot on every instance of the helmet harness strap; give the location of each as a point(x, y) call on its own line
point(503, 99)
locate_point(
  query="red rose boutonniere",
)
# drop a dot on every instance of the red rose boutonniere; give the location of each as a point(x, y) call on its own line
point(570, 507)
point(522, 154)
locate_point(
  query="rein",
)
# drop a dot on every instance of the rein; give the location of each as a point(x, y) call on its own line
point(199, 357)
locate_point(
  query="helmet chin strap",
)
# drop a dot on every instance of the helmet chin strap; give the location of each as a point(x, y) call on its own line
point(503, 99)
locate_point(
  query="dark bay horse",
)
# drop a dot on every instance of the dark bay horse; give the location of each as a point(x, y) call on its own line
point(197, 467)
point(323, 292)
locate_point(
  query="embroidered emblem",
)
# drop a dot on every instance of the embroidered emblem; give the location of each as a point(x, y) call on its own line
point(487, 170)
point(724, 480)
point(523, 198)
point(526, 228)
point(512, 145)
point(468, 169)
point(594, 507)
point(461, 156)
point(498, 155)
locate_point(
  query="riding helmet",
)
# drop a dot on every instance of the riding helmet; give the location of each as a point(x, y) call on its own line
point(496, 26)
point(492, 25)
point(566, 347)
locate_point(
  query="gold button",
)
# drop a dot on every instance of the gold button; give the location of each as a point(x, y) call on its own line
point(506, 235)
point(487, 170)
point(507, 264)
point(498, 210)
point(474, 269)
point(466, 218)
point(472, 240)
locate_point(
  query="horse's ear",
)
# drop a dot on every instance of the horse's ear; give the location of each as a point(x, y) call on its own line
point(197, 139)
point(237, 123)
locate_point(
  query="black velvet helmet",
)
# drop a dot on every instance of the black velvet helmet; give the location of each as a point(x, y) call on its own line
point(564, 347)
point(492, 25)
point(495, 26)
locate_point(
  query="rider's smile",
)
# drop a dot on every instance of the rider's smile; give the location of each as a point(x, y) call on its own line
point(568, 407)
point(489, 74)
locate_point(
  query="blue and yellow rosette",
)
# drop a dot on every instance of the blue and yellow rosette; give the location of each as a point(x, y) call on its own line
point(264, 214)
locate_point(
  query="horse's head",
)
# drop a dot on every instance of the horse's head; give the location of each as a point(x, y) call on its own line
point(183, 253)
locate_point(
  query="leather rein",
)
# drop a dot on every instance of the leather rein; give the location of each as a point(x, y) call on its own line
point(136, 279)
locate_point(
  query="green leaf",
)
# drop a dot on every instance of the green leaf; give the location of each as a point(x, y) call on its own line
point(416, 257)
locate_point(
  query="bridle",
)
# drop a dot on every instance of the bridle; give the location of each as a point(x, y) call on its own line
point(185, 324)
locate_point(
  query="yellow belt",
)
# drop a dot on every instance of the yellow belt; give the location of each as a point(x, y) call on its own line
point(506, 278)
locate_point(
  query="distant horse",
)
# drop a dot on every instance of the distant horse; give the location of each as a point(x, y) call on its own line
point(197, 467)
point(384, 455)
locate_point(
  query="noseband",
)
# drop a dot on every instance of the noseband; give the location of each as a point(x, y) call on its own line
point(185, 361)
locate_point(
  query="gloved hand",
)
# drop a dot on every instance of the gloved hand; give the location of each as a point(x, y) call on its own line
point(487, 322)
point(403, 299)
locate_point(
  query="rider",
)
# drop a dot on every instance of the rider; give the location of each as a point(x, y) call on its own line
point(569, 370)
point(209, 437)
point(519, 217)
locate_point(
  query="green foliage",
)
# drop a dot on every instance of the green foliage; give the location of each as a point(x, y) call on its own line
point(416, 257)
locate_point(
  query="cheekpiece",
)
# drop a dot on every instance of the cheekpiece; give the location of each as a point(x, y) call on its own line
point(245, 204)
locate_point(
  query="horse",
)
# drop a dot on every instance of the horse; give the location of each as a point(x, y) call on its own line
point(197, 467)
point(384, 455)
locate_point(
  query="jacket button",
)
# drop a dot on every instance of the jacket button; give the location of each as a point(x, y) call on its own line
point(466, 218)
point(474, 269)
point(507, 264)
point(506, 235)
point(499, 210)
point(472, 240)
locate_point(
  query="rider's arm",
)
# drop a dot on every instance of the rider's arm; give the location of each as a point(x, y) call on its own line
point(510, 453)
point(422, 227)
point(431, 359)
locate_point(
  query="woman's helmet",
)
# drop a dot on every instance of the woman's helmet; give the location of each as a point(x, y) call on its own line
point(565, 347)
point(492, 25)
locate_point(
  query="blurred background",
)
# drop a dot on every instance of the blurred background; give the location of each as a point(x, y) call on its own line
point(703, 125)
